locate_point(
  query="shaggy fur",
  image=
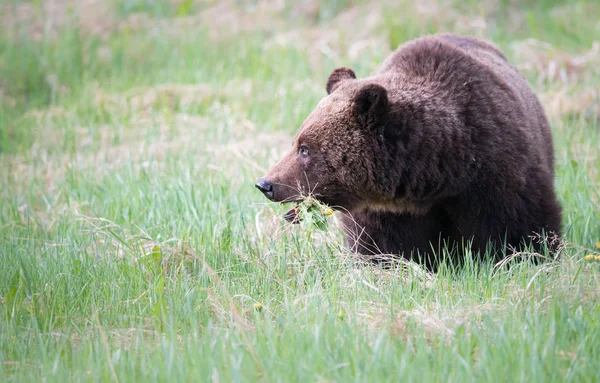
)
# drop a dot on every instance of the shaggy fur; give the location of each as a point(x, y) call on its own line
point(445, 143)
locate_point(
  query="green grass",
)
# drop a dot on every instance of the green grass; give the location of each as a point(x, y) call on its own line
point(134, 246)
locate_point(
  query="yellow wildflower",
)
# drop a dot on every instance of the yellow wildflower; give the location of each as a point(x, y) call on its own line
point(598, 245)
point(328, 211)
point(597, 258)
point(258, 306)
point(590, 257)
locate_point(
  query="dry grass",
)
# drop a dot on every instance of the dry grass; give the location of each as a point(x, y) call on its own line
point(552, 64)
point(46, 18)
point(220, 253)
point(570, 101)
point(144, 98)
point(104, 149)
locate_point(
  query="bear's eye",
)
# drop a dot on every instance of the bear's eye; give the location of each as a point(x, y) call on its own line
point(303, 150)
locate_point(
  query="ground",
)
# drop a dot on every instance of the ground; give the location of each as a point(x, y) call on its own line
point(134, 245)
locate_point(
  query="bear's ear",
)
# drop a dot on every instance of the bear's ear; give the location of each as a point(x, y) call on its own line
point(371, 105)
point(337, 76)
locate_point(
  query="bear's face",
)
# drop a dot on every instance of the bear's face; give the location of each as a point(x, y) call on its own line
point(333, 153)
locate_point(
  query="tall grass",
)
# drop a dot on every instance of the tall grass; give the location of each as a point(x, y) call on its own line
point(134, 246)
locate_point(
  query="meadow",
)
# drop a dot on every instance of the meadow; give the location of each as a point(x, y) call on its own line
point(134, 246)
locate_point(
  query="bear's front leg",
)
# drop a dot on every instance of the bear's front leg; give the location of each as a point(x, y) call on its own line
point(380, 235)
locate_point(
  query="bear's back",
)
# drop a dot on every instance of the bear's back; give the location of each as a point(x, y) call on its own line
point(478, 75)
point(431, 56)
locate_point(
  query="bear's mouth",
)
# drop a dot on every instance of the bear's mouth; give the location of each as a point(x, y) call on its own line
point(311, 210)
point(293, 215)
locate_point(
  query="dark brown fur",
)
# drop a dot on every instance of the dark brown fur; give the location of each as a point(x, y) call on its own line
point(445, 143)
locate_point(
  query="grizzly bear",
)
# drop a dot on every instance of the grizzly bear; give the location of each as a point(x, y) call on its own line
point(445, 145)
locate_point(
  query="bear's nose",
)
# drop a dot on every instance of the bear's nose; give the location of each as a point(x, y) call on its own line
point(266, 187)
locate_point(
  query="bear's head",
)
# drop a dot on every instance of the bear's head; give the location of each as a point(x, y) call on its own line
point(338, 152)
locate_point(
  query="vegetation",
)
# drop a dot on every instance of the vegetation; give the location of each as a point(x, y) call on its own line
point(134, 246)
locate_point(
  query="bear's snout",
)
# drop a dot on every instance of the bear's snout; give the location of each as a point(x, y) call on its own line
point(266, 187)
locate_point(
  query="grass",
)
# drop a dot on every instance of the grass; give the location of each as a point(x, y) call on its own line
point(134, 246)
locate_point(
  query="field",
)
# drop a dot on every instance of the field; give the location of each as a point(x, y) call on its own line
point(134, 246)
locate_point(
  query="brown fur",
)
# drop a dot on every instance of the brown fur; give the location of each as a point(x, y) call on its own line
point(446, 142)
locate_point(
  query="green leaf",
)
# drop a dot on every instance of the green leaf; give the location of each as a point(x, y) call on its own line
point(185, 8)
point(160, 287)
